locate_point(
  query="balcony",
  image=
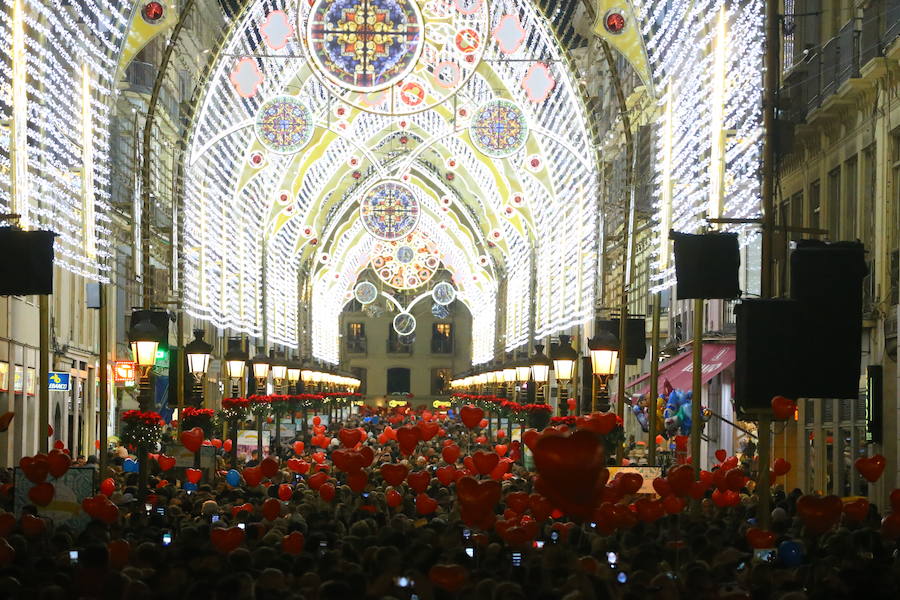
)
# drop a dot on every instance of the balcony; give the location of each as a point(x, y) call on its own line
point(830, 77)
point(357, 347)
point(396, 347)
point(441, 345)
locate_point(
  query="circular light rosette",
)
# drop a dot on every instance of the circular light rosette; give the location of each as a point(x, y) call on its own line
point(406, 264)
point(365, 292)
point(389, 210)
point(443, 293)
point(499, 128)
point(284, 124)
point(404, 323)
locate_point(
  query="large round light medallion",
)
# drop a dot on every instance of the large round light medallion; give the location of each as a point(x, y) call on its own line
point(365, 292)
point(443, 293)
point(404, 323)
point(499, 128)
point(391, 56)
point(284, 124)
point(389, 210)
point(407, 263)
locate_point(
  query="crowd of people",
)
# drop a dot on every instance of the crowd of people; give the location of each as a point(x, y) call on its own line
point(366, 543)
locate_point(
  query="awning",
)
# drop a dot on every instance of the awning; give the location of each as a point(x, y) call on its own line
point(679, 370)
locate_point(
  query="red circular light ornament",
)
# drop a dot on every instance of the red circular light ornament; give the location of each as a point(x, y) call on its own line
point(153, 12)
point(614, 22)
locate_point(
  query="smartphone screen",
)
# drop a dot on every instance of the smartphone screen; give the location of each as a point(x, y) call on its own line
point(467, 533)
point(470, 552)
point(166, 538)
point(765, 555)
point(612, 558)
point(402, 582)
point(538, 543)
point(554, 536)
point(73, 557)
point(621, 577)
point(242, 525)
point(517, 559)
point(365, 495)
point(323, 547)
point(161, 510)
point(214, 519)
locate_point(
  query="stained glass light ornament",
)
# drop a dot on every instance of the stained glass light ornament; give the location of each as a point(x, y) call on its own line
point(389, 210)
point(365, 292)
point(443, 293)
point(439, 311)
point(404, 323)
point(499, 128)
point(406, 264)
point(284, 124)
point(365, 45)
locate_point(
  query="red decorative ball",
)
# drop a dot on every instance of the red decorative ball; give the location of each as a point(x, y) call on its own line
point(450, 176)
point(153, 12)
point(614, 22)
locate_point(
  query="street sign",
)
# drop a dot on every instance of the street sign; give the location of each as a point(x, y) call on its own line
point(59, 382)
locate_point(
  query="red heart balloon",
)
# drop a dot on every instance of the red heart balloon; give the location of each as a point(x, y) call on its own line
point(326, 492)
point(394, 474)
point(317, 420)
point(726, 498)
point(450, 453)
point(698, 490)
point(298, 447)
point(721, 455)
point(446, 475)
point(348, 460)
point(680, 479)
point(518, 501)
point(216, 442)
point(758, 538)
point(32, 526)
point(871, 467)
point(819, 514)
point(673, 504)
point(119, 553)
point(781, 467)
point(890, 526)
point(448, 577)
point(193, 475)
point(662, 487)
point(600, 423)
point(226, 540)
point(269, 467)
point(480, 495)
point(319, 457)
point(408, 438)
point(425, 505)
point(427, 430)
point(501, 449)
point(165, 461)
point(485, 461)
point(42, 494)
point(648, 510)
point(735, 479)
point(192, 439)
point(252, 475)
point(297, 466)
point(285, 492)
point(394, 498)
point(293, 543)
point(317, 480)
point(530, 437)
point(783, 408)
point(857, 510)
point(108, 486)
point(227, 445)
point(349, 437)
point(540, 507)
point(271, 509)
point(572, 472)
point(471, 416)
point(58, 463)
point(35, 467)
point(419, 481)
point(631, 482)
point(357, 481)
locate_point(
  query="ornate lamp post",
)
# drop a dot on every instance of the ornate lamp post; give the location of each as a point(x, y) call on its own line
point(198, 353)
point(279, 375)
point(260, 364)
point(540, 372)
point(144, 340)
point(604, 349)
point(235, 367)
point(564, 359)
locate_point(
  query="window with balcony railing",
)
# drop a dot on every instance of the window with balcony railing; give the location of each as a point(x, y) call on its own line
point(356, 338)
point(398, 344)
point(442, 338)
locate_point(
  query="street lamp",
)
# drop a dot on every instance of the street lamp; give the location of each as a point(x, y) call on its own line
point(564, 358)
point(540, 371)
point(261, 364)
point(509, 378)
point(198, 352)
point(279, 371)
point(604, 349)
point(235, 364)
point(294, 372)
point(144, 339)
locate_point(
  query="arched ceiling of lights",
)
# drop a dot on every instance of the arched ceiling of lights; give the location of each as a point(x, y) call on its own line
point(467, 106)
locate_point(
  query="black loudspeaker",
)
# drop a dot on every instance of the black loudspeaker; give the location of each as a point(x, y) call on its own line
point(635, 334)
point(766, 354)
point(27, 267)
point(826, 279)
point(707, 266)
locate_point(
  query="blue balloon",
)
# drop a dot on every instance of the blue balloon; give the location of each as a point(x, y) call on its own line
point(233, 478)
point(790, 553)
point(130, 466)
point(190, 486)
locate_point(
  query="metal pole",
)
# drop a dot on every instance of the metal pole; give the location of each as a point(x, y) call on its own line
point(44, 365)
point(179, 371)
point(697, 394)
point(104, 381)
point(653, 394)
point(770, 101)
